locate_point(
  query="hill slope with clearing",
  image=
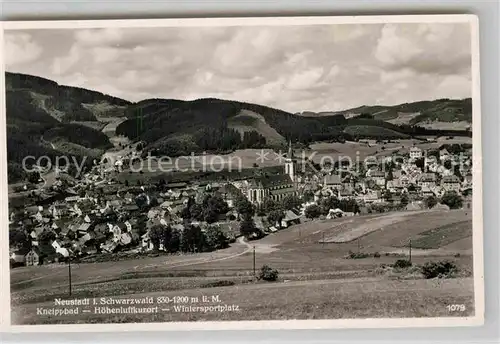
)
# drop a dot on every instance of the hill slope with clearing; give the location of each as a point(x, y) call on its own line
point(247, 121)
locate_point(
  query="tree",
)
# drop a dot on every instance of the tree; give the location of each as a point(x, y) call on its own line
point(447, 164)
point(141, 201)
point(157, 236)
point(269, 205)
point(387, 195)
point(420, 163)
point(404, 200)
point(244, 207)
point(312, 211)
point(327, 203)
point(215, 238)
point(431, 201)
point(276, 216)
point(456, 172)
point(193, 239)
point(290, 202)
point(247, 227)
point(185, 213)
point(452, 200)
point(308, 196)
point(196, 212)
point(210, 215)
point(215, 203)
point(45, 244)
point(19, 239)
point(33, 177)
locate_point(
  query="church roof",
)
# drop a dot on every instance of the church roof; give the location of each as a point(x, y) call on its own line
point(272, 181)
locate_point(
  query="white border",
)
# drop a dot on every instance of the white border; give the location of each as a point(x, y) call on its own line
point(478, 259)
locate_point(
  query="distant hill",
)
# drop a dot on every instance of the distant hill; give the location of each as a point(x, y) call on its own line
point(45, 118)
point(64, 103)
point(220, 125)
point(437, 114)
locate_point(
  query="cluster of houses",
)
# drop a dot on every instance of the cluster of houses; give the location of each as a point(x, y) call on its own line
point(94, 215)
point(404, 177)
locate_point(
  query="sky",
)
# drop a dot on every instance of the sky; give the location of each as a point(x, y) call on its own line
point(293, 68)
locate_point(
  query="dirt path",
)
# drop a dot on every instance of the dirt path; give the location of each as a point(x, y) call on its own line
point(200, 260)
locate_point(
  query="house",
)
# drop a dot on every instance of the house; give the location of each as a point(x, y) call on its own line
point(467, 204)
point(290, 219)
point(84, 227)
point(444, 154)
point(32, 258)
point(451, 183)
point(146, 243)
point(71, 199)
point(332, 181)
point(345, 193)
point(405, 181)
point(427, 180)
point(426, 191)
point(415, 153)
point(373, 197)
point(394, 185)
point(378, 177)
point(467, 181)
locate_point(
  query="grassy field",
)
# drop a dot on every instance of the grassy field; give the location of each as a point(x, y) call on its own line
point(315, 279)
point(360, 150)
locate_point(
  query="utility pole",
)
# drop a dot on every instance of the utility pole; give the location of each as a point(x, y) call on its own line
point(410, 250)
point(254, 272)
point(323, 240)
point(69, 273)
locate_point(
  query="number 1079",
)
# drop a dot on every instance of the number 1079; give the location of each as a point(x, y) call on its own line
point(456, 308)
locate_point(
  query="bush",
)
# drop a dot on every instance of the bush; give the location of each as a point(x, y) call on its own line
point(223, 283)
point(357, 255)
point(442, 269)
point(402, 264)
point(376, 255)
point(268, 274)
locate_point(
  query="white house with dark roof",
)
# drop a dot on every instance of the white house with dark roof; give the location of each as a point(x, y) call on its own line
point(427, 180)
point(415, 153)
point(451, 183)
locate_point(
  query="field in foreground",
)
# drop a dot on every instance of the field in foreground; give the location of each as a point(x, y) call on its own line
point(316, 280)
point(321, 299)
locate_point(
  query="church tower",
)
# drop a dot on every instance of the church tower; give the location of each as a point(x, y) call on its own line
point(289, 162)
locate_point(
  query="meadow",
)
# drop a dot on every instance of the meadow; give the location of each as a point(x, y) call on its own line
point(316, 280)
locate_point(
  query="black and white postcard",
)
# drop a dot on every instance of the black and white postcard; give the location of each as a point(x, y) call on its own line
point(241, 173)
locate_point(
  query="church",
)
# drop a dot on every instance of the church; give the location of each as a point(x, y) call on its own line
point(277, 186)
